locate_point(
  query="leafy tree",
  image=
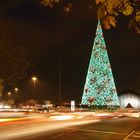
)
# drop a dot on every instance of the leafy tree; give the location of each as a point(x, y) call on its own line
point(1, 87)
point(13, 60)
point(107, 10)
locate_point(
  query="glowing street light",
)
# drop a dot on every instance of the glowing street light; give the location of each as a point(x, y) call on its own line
point(9, 94)
point(34, 79)
point(16, 90)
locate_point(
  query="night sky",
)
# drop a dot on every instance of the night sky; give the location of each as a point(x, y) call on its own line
point(47, 32)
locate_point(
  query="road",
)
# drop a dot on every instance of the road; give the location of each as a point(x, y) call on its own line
point(76, 128)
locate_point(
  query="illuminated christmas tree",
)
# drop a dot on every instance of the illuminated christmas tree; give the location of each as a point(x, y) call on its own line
point(99, 88)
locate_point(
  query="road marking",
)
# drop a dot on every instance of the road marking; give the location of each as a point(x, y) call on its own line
point(126, 138)
point(62, 134)
point(101, 131)
point(136, 136)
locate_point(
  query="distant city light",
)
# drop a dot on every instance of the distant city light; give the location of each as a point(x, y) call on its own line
point(2, 106)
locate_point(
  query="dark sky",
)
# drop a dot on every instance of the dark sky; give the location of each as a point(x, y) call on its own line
point(47, 32)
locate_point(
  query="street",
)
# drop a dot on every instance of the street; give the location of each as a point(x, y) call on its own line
point(86, 128)
point(120, 129)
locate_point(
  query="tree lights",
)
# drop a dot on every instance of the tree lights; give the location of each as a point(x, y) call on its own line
point(99, 88)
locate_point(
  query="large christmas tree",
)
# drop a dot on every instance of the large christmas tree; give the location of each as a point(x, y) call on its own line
point(99, 88)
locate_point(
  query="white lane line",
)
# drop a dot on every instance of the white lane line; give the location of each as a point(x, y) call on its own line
point(130, 134)
point(101, 131)
point(62, 134)
point(136, 136)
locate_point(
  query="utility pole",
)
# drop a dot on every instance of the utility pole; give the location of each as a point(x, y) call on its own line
point(60, 78)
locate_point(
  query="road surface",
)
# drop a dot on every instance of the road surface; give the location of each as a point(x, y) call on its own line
point(71, 128)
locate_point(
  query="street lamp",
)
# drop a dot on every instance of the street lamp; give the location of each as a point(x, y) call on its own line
point(9, 94)
point(34, 79)
point(16, 90)
point(60, 78)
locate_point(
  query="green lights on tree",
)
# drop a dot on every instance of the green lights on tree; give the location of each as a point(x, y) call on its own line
point(99, 88)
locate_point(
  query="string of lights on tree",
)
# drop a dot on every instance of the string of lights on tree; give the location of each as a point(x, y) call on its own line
point(99, 87)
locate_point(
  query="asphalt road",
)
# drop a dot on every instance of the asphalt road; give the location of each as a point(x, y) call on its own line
point(106, 129)
point(70, 126)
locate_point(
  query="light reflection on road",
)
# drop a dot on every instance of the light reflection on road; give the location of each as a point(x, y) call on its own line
point(35, 126)
point(32, 123)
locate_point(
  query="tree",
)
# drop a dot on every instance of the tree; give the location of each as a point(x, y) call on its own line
point(1, 87)
point(99, 87)
point(107, 10)
point(13, 60)
point(15, 66)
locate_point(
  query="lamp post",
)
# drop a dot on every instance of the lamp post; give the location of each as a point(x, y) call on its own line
point(16, 95)
point(34, 79)
point(16, 90)
point(60, 78)
point(9, 94)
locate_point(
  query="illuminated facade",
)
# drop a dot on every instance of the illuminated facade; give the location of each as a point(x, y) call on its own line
point(99, 89)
